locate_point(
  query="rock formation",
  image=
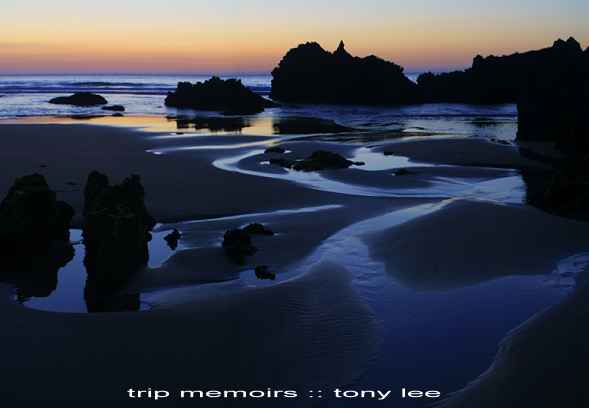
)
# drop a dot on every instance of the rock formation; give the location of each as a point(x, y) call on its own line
point(31, 217)
point(263, 272)
point(238, 244)
point(319, 160)
point(172, 239)
point(34, 237)
point(116, 233)
point(310, 74)
point(80, 99)
point(228, 96)
point(493, 79)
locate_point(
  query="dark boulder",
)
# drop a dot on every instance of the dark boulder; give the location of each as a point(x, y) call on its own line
point(80, 99)
point(310, 74)
point(228, 96)
point(31, 217)
point(238, 244)
point(116, 232)
point(319, 160)
point(172, 239)
point(34, 237)
point(263, 272)
point(257, 229)
point(114, 108)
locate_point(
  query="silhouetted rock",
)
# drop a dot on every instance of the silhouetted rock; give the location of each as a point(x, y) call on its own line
point(31, 217)
point(114, 108)
point(502, 79)
point(275, 149)
point(263, 272)
point(172, 239)
point(309, 74)
point(34, 237)
point(80, 99)
point(238, 244)
point(116, 232)
point(257, 229)
point(319, 160)
point(228, 96)
point(564, 191)
point(554, 102)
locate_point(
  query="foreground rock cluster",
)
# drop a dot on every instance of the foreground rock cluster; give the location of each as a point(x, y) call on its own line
point(116, 233)
point(35, 238)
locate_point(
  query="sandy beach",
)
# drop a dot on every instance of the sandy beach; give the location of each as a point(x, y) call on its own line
point(356, 252)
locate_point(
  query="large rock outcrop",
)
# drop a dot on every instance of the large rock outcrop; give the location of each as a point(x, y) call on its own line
point(34, 237)
point(116, 233)
point(310, 74)
point(227, 96)
point(83, 99)
point(31, 217)
point(493, 79)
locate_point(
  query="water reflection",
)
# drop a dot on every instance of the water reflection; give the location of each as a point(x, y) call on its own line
point(62, 284)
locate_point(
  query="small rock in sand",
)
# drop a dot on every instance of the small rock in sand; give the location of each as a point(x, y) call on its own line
point(257, 229)
point(172, 239)
point(263, 272)
point(238, 244)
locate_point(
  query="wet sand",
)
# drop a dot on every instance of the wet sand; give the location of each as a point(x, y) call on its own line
point(355, 250)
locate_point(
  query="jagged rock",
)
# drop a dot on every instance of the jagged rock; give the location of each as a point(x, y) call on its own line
point(275, 149)
point(309, 74)
point(257, 229)
point(238, 244)
point(80, 99)
point(554, 102)
point(34, 237)
point(31, 217)
point(114, 108)
point(263, 272)
point(172, 239)
point(116, 232)
point(319, 160)
point(494, 79)
point(228, 96)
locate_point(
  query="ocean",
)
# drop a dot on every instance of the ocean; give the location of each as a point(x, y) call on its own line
point(143, 95)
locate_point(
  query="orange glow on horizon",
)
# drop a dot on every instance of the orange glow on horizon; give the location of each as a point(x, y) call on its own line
point(146, 37)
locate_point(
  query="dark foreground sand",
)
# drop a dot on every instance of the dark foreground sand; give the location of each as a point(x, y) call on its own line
point(310, 329)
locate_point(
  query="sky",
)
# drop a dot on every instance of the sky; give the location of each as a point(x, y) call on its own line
point(222, 36)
